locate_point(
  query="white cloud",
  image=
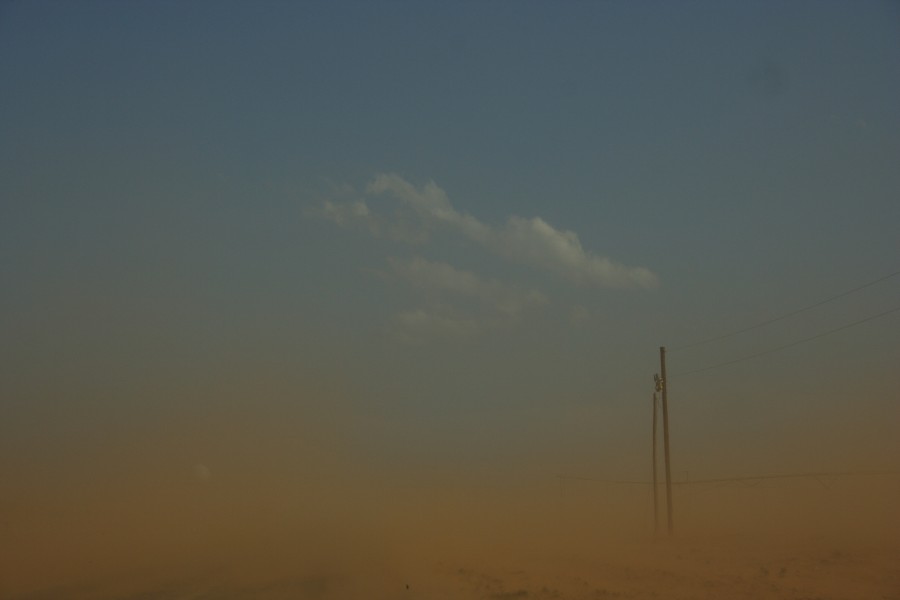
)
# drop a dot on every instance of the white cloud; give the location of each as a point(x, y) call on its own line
point(357, 213)
point(487, 304)
point(533, 242)
point(346, 212)
point(416, 326)
point(441, 277)
point(430, 204)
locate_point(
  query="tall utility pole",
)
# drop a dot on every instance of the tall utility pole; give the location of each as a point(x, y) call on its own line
point(665, 403)
point(655, 488)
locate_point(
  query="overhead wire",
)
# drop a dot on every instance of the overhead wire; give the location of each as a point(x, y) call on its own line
point(789, 345)
point(784, 316)
point(749, 478)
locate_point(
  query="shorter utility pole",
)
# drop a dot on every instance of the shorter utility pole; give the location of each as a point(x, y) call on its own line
point(664, 384)
point(655, 488)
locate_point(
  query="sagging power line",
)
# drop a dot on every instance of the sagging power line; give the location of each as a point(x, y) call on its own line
point(784, 316)
point(690, 482)
point(788, 345)
point(662, 384)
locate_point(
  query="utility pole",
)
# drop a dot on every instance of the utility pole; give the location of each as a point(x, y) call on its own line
point(664, 383)
point(655, 488)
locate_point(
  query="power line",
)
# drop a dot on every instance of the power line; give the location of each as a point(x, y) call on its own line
point(812, 475)
point(786, 476)
point(597, 480)
point(789, 345)
point(784, 316)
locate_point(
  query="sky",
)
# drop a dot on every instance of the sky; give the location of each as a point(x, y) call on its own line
point(292, 248)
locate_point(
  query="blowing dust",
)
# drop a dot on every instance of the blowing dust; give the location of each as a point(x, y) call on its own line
point(395, 537)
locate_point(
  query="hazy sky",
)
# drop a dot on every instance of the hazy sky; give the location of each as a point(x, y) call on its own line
point(400, 238)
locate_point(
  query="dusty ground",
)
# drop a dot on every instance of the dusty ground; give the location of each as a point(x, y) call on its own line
point(784, 541)
point(701, 568)
point(683, 568)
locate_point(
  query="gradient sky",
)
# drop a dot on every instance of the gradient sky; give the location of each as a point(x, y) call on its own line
point(398, 239)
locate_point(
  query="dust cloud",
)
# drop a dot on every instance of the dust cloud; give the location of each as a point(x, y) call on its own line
point(241, 497)
point(255, 526)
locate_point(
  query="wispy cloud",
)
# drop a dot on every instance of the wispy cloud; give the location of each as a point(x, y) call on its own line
point(430, 204)
point(537, 243)
point(419, 325)
point(444, 278)
point(356, 213)
point(346, 212)
point(460, 304)
point(529, 241)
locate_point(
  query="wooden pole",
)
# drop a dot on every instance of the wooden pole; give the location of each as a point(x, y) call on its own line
point(655, 487)
point(665, 405)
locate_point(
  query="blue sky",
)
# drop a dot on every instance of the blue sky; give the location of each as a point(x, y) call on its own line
point(170, 159)
point(456, 233)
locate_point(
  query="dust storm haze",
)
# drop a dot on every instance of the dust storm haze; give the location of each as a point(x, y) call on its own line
point(364, 300)
point(264, 501)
